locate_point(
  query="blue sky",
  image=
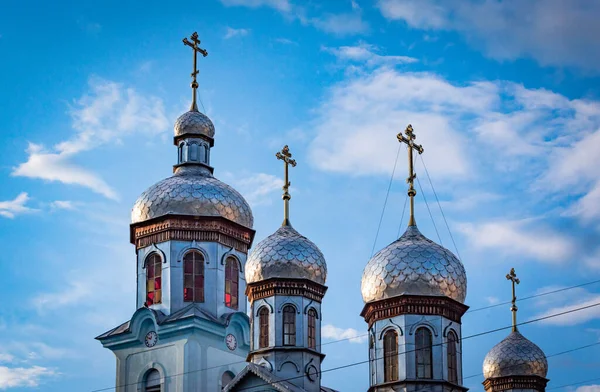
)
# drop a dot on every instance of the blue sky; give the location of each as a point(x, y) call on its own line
point(503, 96)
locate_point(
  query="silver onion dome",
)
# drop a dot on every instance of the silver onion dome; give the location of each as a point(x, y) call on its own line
point(192, 191)
point(286, 254)
point(194, 122)
point(515, 356)
point(414, 265)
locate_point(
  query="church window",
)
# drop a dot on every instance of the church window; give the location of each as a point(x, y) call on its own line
point(452, 368)
point(423, 353)
point(289, 326)
point(152, 381)
point(193, 152)
point(390, 356)
point(226, 378)
point(180, 152)
point(153, 279)
point(193, 277)
point(312, 328)
point(263, 320)
point(232, 276)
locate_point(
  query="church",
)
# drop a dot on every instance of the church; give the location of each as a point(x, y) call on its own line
point(198, 269)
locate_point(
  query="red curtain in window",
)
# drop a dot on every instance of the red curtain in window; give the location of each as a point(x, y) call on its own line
point(153, 279)
point(232, 276)
point(193, 277)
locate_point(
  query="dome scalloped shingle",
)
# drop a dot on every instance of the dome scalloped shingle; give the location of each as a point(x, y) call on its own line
point(286, 254)
point(414, 265)
point(515, 356)
point(192, 192)
point(194, 123)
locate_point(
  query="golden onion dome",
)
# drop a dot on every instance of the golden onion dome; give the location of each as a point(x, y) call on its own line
point(515, 356)
point(194, 123)
point(414, 265)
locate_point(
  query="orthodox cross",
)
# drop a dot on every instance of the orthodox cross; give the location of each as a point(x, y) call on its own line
point(194, 45)
point(512, 276)
point(409, 140)
point(286, 156)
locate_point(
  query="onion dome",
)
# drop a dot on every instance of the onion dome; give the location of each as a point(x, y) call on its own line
point(414, 265)
point(194, 123)
point(192, 191)
point(515, 356)
point(286, 254)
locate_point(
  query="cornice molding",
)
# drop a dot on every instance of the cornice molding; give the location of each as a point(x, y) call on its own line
point(280, 286)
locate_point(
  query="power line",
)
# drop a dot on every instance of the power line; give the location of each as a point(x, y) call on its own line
point(430, 214)
point(575, 383)
point(386, 199)
point(440, 206)
point(367, 361)
point(437, 344)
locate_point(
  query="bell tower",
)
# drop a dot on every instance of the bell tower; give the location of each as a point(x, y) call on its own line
point(191, 234)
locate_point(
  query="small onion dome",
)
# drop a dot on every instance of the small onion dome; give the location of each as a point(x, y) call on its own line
point(194, 123)
point(515, 356)
point(286, 254)
point(192, 191)
point(414, 265)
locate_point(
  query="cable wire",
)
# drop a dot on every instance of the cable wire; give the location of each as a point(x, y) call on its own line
point(386, 199)
point(575, 383)
point(430, 214)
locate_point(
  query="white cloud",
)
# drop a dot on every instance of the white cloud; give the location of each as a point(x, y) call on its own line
point(6, 357)
point(23, 377)
point(280, 5)
point(524, 239)
point(231, 32)
point(365, 53)
point(553, 32)
point(63, 205)
point(567, 301)
point(11, 208)
point(75, 292)
point(341, 24)
point(329, 331)
point(588, 388)
point(256, 187)
point(107, 114)
point(492, 300)
point(286, 41)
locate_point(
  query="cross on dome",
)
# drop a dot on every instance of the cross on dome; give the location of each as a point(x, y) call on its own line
point(286, 156)
point(196, 49)
point(512, 276)
point(409, 140)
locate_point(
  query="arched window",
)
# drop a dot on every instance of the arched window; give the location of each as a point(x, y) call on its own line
point(289, 325)
point(180, 152)
point(152, 381)
point(390, 356)
point(193, 149)
point(423, 353)
point(263, 321)
point(232, 276)
point(372, 358)
point(193, 277)
point(226, 378)
point(452, 368)
point(153, 279)
point(203, 152)
point(312, 328)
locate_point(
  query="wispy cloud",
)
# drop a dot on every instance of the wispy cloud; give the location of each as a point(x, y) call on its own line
point(554, 33)
point(256, 187)
point(341, 24)
point(365, 53)
point(11, 208)
point(286, 41)
point(63, 205)
point(75, 292)
point(280, 5)
point(107, 114)
point(329, 331)
point(525, 239)
point(588, 388)
point(24, 376)
point(571, 300)
point(231, 32)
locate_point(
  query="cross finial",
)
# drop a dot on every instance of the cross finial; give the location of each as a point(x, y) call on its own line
point(409, 140)
point(286, 156)
point(196, 49)
point(512, 276)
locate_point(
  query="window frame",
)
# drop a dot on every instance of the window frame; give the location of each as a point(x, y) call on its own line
point(263, 327)
point(390, 356)
point(152, 388)
point(288, 314)
point(424, 353)
point(153, 279)
point(312, 328)
point(196, 274)
point(452, 357)
point(232, 283)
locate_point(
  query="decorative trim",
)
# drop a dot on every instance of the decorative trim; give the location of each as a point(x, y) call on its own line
point(292, 362)
point(192, 228)
point(154, 249)
point(392, 327)
point(424, 324)
point(496, 384)
point(416, 385)
point(280, 286)
point(292, 304)
point(448, 327)
point(307, 309)
point(413, 304)
point(192, 247)
point(265, 303)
